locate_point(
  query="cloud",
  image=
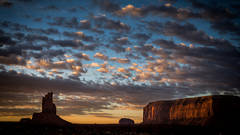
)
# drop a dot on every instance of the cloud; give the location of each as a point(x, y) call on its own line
point(121, 41)
point(107, 5)
point(141, 37)
point(76, 97)
point(120, 60)
point(49, 31)
point(5, 40)
point(100, 56)
point(103, 70)
point(104, 22)
point(226, 26)
point(51, 7)
point(90, 47)
point(35, 37)
point(123, 70)
point(93, 64)
point(129, 9)
point(82, 56)
point(188, 32)
point(68, 43)
point(70, 23)
point(6, 3)
point(12, 60)
point(166, 44)
point(213, 12)
point(165, 10)
point(78, 35)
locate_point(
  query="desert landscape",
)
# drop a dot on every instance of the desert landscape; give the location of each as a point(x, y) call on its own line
point(119, 67)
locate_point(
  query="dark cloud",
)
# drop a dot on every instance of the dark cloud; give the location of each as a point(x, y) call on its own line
point(104, 22)
point(5, 40)
point(12, 60)
point(107, 5)
point(66, 93)
point(120, 60)
point(226, 26)
point(17, 111)
point(170, 11)
point(39, 19)
point(68, 43)
point(70, 23)
point(25, 1)
point(90, 47)
point(166, 10)
point(49, 53)
point(51, 7)
point(121, 41)
point(49, 31)
point(188, 32)
point(141, 36)
point(78, 35)
point(212, 11)
point(35, 37)
point(82, 56)
point(63, 21)
point(10, 51)
point(221, 18)
point(14, 26)
point(74, 9)
point(19, 28)
point(205, 65)
point(6, 3)
point(19, 35)
point(166, 44)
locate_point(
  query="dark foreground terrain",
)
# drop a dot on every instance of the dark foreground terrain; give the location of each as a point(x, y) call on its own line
point(16, 128)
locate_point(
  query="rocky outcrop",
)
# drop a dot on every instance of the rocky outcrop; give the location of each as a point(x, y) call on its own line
point(48, 114)
point(205, 111)
point(126, 121)
point(47, 104)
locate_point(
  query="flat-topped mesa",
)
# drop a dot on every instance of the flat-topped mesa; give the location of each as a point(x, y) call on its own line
point(47, 104)
point(217, 110)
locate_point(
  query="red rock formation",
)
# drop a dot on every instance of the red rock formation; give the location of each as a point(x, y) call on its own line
point(204, 111)
point(48, 114)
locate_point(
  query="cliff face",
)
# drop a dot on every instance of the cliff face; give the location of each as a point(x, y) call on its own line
point(209, 110)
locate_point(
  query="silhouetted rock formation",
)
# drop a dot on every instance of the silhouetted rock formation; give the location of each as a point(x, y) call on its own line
point(48, 114)
point(25, 120)
point(205, 111)
point(126, 121)
point(47, 104)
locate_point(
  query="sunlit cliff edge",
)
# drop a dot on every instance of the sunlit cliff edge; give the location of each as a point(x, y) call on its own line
point(218, 110)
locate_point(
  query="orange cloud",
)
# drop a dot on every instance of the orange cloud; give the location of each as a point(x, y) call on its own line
point(123, 70)
point(129, 9)
point(103, 70)
point(120, 60)
point(70, 60)
point(100, 56)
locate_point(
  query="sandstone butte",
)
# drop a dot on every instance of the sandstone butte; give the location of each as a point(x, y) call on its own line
point(217, 111)
point(48, 114)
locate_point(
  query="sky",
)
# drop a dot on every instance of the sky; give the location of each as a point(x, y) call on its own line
point(106, 59)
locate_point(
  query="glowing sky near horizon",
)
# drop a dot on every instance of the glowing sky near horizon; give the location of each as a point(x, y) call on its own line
point(106, 59)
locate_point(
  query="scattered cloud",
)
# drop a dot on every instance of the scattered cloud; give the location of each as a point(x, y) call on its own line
point(100, 56)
